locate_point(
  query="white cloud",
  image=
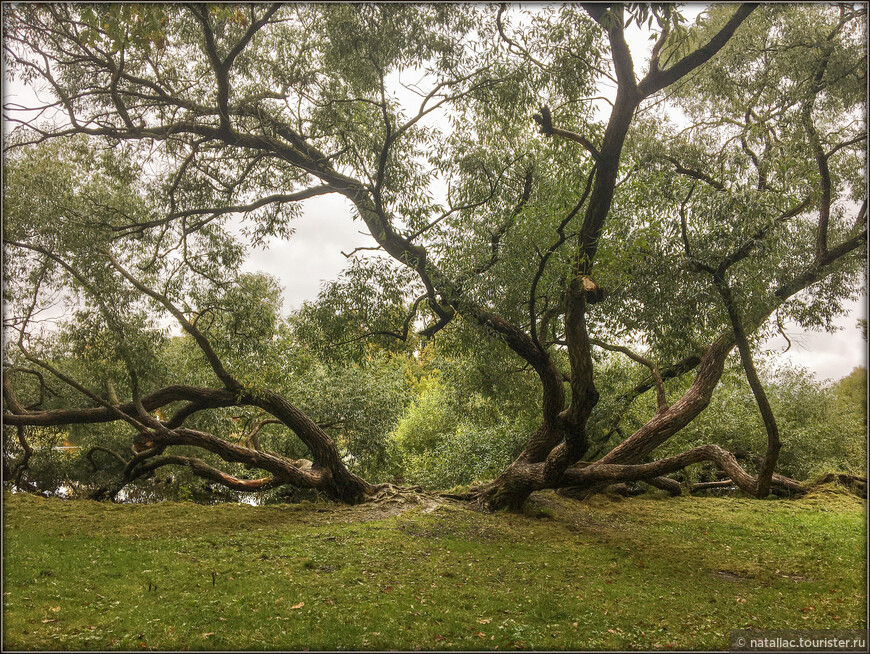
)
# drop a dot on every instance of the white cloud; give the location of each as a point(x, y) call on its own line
point(326, 228)
point(313, 254)
point(829, 356)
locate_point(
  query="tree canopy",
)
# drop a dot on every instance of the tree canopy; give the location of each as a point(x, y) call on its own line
point(535, 202)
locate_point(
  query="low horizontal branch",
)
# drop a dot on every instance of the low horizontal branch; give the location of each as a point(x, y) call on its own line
point(613, 473)
point(201, 469)
point(201, 397)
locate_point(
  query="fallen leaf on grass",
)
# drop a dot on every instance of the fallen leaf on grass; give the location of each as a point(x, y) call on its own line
point(44, 621)
point(480, 634)
point(485, 621)
point(298, 606)
point(210, 633)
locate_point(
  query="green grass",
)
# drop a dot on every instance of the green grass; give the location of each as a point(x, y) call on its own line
point(643, 573)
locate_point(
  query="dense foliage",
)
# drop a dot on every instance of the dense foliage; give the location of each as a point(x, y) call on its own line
point(439, 418)
point(527, 291)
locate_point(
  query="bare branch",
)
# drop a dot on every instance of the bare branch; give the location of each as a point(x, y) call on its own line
point(657, 376)
point(203, 343)
point(277, 198)
point(695, 174)
point(512, 44)
point(545, 120)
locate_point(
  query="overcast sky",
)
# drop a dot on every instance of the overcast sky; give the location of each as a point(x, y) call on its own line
point(314, 255)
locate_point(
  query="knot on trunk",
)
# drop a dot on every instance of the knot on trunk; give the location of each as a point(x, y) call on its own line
point(594, 292)
point(144, 443)
point(592, 396)
point(545, 121)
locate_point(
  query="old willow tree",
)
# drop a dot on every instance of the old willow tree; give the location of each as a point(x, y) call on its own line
point(526, 173)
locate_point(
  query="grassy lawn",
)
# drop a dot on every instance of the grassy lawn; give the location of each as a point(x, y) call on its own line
point(646, 572)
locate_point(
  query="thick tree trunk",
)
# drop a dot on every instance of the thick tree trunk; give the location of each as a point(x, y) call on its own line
point(338, 481)
point(325, 472)
point(665, 424)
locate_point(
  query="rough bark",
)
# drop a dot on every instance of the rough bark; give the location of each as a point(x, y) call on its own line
point(561, 440)
point(512, 487)
point(765, 471)
point(607, 473)
point(327, 473)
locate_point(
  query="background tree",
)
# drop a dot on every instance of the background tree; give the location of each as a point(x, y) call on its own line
point(619, 234)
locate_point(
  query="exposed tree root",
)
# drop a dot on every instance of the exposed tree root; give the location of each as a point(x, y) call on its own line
point(666, 483)
point(584, 480)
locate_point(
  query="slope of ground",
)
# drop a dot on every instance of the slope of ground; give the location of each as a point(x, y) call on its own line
point(643, 573)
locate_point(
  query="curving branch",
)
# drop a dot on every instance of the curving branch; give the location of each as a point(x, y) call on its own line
point(22, 465)
point(498, 234)
point(213, 212)
point(201, 469)
point(845, 144)
point(817, 270)
point(111, 320)
point(43, 389)
point(216, 365)
point(545, 121)
point(724, 460)
point(252, 439)
point(745, 249)
point(126, 102)
point(135, 422)
point(693, 173)
point(10, 399)
point(765, 472)
point(658, 79)
point(654, 371)
point(99, 448)
point(550, 251)
point(709, 369)
point(200, 398)
point(512, 44)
